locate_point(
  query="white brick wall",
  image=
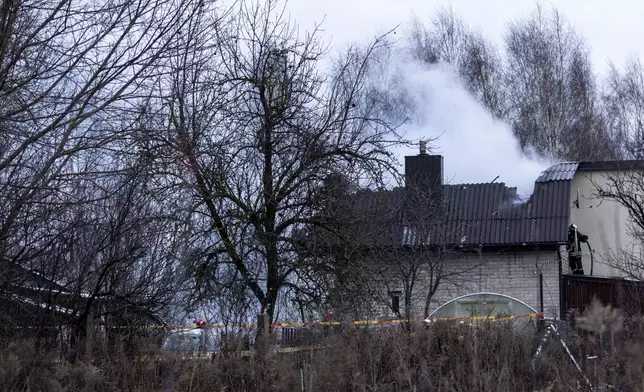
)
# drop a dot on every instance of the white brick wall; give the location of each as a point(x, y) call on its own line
point(515, 274)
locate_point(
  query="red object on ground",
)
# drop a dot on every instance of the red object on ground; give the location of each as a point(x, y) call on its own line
point(201, 322)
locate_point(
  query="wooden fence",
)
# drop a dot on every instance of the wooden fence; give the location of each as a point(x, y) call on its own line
point(579, 290)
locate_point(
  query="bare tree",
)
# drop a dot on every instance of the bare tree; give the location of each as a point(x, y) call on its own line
point(624, 103)
point(482, 69)
point(70, 73)
point(554, 105)
point(109, 256)
point(444, 40)
point(447, 39)
point(391, 249)
point(543, 83)
point(254, 128)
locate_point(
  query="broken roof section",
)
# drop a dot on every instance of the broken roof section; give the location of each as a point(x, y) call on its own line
point(487, 215)
point(563, 171)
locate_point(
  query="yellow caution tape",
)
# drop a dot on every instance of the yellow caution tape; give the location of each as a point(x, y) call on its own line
point(323, 323)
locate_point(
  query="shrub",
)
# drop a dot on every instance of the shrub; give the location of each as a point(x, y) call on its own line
point(444, 357)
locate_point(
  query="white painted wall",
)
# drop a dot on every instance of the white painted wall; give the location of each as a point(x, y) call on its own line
point(605, 222)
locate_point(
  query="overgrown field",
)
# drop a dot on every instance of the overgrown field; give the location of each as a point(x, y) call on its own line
point(441, 358)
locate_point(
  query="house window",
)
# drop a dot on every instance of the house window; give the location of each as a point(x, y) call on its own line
point(395, 300)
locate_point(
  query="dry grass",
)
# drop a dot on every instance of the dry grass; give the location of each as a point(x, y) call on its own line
point(444, 358)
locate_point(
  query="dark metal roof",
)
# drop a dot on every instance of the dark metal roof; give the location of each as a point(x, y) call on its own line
point(559, 171)
point(490, 214)
point(487, 214)
point(611, 165)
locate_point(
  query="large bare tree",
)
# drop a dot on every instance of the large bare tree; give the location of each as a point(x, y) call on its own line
point(542, 82)
point(624, 105)
point(393, 250)
point(554, 106)
point(447, 39)
point(253, 128)
point(70, 73)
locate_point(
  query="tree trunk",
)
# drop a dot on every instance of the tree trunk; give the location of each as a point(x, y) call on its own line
point(270, 236)
point(428, 298)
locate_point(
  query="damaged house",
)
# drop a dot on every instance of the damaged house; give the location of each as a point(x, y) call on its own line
point(408, 250)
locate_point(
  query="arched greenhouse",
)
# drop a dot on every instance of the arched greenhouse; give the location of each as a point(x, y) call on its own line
point(482, 307)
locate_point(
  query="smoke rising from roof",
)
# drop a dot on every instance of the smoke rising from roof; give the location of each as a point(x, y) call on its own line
point(476, 147)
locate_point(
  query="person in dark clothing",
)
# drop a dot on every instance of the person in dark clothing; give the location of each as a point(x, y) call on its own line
point(575, 238)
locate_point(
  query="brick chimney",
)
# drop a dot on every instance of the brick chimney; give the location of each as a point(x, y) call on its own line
point(423, 170)
point(424, 179)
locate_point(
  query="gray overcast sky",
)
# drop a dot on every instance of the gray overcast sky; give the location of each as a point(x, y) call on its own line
point(476, 148)
point(613, 29)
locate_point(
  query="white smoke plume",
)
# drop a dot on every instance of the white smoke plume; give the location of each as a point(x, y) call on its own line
point(476, 147)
